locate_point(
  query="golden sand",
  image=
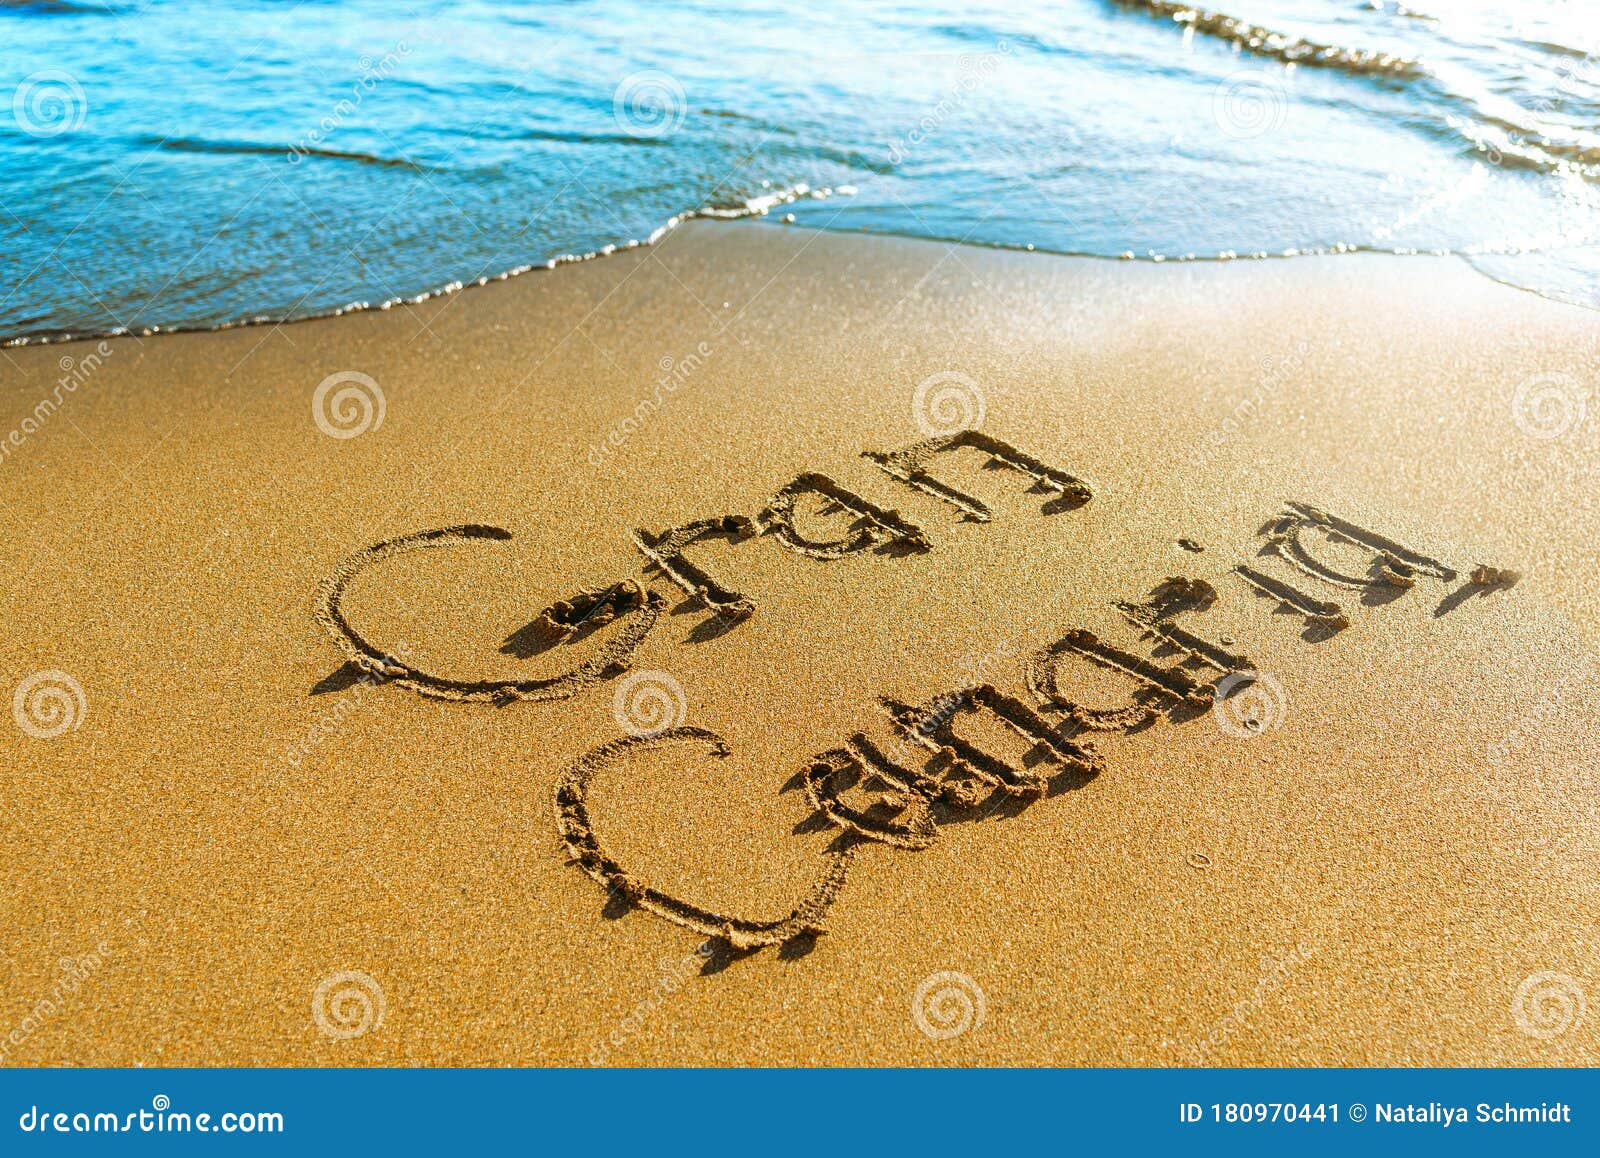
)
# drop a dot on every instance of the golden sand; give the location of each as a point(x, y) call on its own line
point(366, 770)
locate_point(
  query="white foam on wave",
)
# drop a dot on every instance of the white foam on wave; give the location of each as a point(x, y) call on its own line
point(756, 206)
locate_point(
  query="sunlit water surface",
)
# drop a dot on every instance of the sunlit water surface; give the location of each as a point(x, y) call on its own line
point(168, 165)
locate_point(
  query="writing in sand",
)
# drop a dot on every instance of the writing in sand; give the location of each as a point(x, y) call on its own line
point(926, 765)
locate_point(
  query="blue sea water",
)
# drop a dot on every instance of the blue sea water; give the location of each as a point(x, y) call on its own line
point(174, 165)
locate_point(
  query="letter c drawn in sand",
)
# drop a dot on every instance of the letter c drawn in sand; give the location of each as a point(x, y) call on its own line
point(628, 602)
point(585, 849)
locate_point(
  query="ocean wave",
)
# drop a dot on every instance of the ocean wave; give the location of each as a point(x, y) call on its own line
point(569, 137)
point(1491, 125)
point(1390, 8)
point(758, 205)
point(487, 134)
point(1277, 45)
point(254, 148)
point(60, 8)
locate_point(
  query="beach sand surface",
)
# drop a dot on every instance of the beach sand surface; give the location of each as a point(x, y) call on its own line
point(1382, 849)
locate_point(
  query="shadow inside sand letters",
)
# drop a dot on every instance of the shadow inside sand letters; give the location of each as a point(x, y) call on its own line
point(919, 767)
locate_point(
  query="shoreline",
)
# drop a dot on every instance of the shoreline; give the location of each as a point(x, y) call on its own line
point(756, 208)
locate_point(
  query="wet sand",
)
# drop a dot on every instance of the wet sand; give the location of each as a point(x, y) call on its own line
point(288, 787)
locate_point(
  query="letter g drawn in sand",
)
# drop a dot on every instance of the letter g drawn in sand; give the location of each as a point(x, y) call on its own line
point(633, 607)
